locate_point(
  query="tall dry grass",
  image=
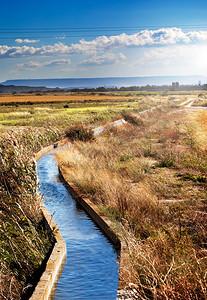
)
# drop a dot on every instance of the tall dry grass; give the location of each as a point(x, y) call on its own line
point(136, 175)
point(24, 240)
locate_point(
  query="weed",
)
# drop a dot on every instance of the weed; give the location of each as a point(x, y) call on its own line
point(195, 178)
point(133, 119)
point(167, 160)
point(80, 132)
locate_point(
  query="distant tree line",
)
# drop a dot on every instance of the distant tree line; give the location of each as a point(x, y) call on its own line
point(148, 88)
point(8, 89)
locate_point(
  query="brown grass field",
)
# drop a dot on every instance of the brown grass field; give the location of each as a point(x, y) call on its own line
point(150, 177)
point(18, 98)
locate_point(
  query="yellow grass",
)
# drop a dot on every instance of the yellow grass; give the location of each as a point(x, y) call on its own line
point(203, 119)
point(199, 128)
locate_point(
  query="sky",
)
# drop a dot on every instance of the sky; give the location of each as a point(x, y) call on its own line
point(111, 38)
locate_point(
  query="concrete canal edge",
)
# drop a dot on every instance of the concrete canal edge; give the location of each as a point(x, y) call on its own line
point(104, 223)
point(45, 285)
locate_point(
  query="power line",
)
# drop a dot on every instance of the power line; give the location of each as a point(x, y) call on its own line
point(45, 37)
point(84, 29)
point(27, 33)
point(72, 31)
point(58, 31)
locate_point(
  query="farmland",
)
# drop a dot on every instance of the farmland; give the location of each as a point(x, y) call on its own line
point(63, 110)
point(39, 97)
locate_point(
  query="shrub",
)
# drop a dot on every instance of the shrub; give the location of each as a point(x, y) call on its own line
point(80, 132)
point(133, 119)
point(167, 160)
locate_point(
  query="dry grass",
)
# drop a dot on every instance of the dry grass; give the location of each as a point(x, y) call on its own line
point(80, 132)
point(201, 130)
point(24, 240)
point(140, 176)
point(166, 269)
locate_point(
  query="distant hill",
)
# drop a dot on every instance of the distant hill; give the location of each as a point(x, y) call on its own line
point(70, 83)
point(9, 89)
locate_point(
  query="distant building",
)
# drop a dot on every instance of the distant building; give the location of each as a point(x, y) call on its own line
point(175, 86)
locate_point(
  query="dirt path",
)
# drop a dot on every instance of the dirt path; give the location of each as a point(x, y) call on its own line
point(188, 102)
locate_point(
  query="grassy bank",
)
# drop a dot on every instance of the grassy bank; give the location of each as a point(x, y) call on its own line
point(150, 176)
point(24, 240)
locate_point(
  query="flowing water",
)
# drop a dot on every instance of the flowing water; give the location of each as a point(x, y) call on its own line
point(91, 268)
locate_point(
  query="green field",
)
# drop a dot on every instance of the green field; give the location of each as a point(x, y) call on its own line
point(63, 113)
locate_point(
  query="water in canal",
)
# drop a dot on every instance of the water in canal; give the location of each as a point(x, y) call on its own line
point(91, 269)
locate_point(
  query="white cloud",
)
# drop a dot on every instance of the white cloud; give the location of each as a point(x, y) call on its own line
point(176, 52)
point(57, 63)
point(21, 41)
point(25, 51)
point(161, 37)
point(145, 37)
point(60, 37)
point(198, 36)
point(183, 59)
point(106, 59)
point(31, 65)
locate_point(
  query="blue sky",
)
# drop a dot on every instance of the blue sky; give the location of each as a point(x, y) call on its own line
point(51, 39)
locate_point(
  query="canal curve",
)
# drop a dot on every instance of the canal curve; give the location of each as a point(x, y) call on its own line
point(91, 267)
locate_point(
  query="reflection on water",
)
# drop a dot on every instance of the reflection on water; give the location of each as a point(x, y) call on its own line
point(91, 269)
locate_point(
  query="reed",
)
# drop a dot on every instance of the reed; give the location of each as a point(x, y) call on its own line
point(24, 240)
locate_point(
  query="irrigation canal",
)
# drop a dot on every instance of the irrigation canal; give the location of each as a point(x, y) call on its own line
point(91, 269)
